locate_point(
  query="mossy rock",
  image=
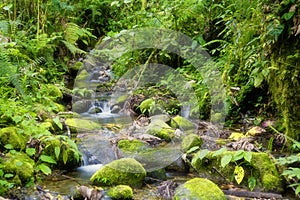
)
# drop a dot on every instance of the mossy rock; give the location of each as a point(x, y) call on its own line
point(190, 141)
point(122, 99)
point(82, 76)
point(160, 129)
point(68, 157)
point(52, 91)
point(120, 192)
point(20, 165)
point(132, 146)
point(125, 171)
point(79, 125)
point(81, 106)
point(182, 123)
point(261, 167)
point(199, 189)
point(10, 135)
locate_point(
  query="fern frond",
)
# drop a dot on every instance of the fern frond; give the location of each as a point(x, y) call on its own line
point(72, 48)
point(72, 33)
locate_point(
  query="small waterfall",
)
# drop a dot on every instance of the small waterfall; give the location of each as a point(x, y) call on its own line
point(185, 111)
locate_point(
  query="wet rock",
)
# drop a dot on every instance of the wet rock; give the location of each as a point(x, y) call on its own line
point(131, 146)
point(190, 141)
point(81, 106)
point(125, 171)
point(79, 125)
point(88, 193)
point(120, 192)
point(199, 188)
point(178, 166)
point(182, 123)
point(160, 129)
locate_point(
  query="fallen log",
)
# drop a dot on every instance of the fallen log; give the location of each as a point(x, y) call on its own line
point(249, 194)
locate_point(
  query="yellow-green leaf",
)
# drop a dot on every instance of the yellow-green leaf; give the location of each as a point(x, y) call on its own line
point(239, 174)
point(225, 160)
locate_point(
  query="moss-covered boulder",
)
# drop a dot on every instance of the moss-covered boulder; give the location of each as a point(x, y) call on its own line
point(182, 123)
point(261, 168)
point(81, 106)
point(79, 125)
point(125, 171)
point(132, 146)
point(199, 189)
point(120, 192)
point(10, 135)
point(19, 165)
point(160, 129)
point(190, 141)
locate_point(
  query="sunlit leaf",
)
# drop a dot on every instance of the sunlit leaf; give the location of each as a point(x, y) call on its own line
point(192, 149)
point(8, 146)
point(30, 151)
point(57, 152)
point(203, 153)
point(45, 169)
point(247, 156)
point(47, 159)
point(239, 174)
point(219, 152)
point(226, 160)
point(238, 155)
point(58, 123)
point(8, 175)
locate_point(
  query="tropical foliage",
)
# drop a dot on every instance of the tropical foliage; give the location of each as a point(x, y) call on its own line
point(253, 43)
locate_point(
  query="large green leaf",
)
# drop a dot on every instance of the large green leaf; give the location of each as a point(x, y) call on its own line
point(44, 168)
point(226, 160)
point(47, 159)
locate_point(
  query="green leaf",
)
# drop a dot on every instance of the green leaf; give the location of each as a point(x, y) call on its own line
point(248, 156)
point(8, 175)
point(8, 146)
point(238, 155)
point(57, 152)
point(65, 157)
point(226, 160)
point(219, 152)
point(44, 168)
point(288, 15)
point(297, 191)
point(239, 174)
point(203, 153)
point(30, 151)
point(192, 149)
point(251, 183)
point(58, 123)
point(47, 159)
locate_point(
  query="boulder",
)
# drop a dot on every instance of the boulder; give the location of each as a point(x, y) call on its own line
point(190, 141)
point(19, 165)
point(160, 129)
point(182, 123)
point(120, 192)
point(125, 171)
point(261, 168)
point(79, 125)
point(81, 106)
point(10, 135)
point(199, 189)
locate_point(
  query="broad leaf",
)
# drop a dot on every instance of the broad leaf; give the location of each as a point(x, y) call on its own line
point(248, 156)
point(30, 151)
point(203, 153)
point(57, 152)
point(45, 169)
point(219, 152)
point(47, 159)
point(238, 155)
point(58, 123)
point(239, 174)
point(251, 183)
point(192, 149)
point(226, 160)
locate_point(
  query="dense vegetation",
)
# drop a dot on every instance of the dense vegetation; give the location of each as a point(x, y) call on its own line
point(253, 43)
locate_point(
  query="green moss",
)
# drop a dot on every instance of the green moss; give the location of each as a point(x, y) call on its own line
point(190, 141)
point(125, 171)
point(121, 99)
point(160, 129)
point(120, 192)
point(82, 125)
point(181, 122)
point(261, 168)
point(199, 189)
point(52, 91)
point(82, 76)
point(132, 146)
point(19, 164)
point(10, 135)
